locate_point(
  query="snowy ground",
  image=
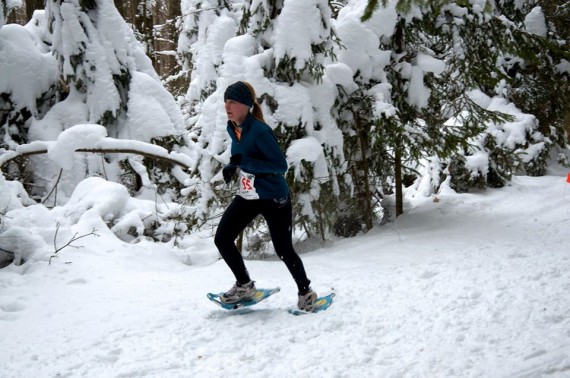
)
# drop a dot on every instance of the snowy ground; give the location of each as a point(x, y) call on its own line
point(475, 285)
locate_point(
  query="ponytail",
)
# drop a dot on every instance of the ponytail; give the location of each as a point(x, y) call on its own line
point(257, 112)
point(256, 108)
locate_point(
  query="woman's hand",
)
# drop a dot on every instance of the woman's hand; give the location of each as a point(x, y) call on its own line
point(229, 173)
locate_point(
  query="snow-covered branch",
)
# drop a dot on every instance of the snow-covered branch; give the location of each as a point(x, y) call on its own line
point(91, 139)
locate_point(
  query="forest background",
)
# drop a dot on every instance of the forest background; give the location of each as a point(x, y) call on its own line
point(372, 101)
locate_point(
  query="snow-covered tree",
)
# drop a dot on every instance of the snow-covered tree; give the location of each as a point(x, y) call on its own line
point(207, 25)
point(405, 90)
point(283, 49)
point(537, 77)
point(429, 95)
point(102, 76)
point(93, 106)
point(24, 50)
point(529, 67)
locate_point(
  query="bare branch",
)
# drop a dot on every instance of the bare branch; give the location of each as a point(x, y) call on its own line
point(8, 252)
point(54, 189)
point(73, 239)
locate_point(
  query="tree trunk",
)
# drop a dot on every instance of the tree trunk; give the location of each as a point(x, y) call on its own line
point(398, 179)
point(32, 5)
point(167, 42)
point(398, 48)
point(120, 5)
point(363, 137)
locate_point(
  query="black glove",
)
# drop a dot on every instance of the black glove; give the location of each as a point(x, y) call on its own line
point(235, 159)
point(229, 172)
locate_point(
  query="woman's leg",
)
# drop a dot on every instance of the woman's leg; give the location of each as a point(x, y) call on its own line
point(237, 216)
point(279, 218)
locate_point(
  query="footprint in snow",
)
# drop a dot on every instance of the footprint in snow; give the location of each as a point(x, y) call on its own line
point(78, 281)
point(9, 310)
point(12, 306)
point(428, 274)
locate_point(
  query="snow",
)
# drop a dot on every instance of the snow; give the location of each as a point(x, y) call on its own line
point(382, 23)
point(430, 64)
point(308, 149)
point(381, 93)
point(91, 137)
point(470, 285)
point(61, 116)
point(461, 285)
point(512, 133)
point(535, 22)
point(297, 30)
point(418, 93)
point(19, 57)
point(477, 163)
point(563, 66)
point(79, 136)
point(361, 51)
point(341, 74)
point(89, 93)
point(151, 111)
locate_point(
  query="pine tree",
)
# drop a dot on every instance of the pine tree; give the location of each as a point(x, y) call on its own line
point(440, 52)
point(298, 67)
point(104, 76)
point(22, 52)
point(207, 25)
point(527, 59)
point(537, 75)
point(266, 50)
point(204, 24)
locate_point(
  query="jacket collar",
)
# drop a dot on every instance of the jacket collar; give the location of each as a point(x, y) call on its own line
point(248, 121)
point(246, 125)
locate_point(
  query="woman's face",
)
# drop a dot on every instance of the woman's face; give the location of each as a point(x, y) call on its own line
point(236, 111)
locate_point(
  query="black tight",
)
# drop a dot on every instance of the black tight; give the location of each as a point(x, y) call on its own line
point(279, 220)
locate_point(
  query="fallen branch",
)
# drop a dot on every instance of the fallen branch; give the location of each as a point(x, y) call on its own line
point(8, 252)
point(100, 150)
point(69, 243)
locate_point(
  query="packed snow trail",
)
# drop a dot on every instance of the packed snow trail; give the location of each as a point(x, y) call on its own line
point(472, 285)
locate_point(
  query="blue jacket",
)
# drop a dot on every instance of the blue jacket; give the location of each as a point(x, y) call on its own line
point(261, 156)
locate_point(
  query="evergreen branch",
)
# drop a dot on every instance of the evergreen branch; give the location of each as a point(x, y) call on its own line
point(369, 10)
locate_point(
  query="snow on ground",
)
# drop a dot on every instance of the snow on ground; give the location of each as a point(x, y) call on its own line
point(472, 285)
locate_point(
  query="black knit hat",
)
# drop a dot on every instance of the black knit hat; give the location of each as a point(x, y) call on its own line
point(239, 92)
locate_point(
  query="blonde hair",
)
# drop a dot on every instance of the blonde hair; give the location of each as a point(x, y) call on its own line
point(257, 112)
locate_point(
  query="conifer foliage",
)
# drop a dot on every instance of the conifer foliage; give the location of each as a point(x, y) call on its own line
point(97, 73)
point(282, 49)
point(418, 95)
point(445, 94)
point(371, 100)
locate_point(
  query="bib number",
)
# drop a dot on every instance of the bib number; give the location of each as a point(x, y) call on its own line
point(246, 186)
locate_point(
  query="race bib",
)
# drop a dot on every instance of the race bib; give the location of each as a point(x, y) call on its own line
point(246, 188)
